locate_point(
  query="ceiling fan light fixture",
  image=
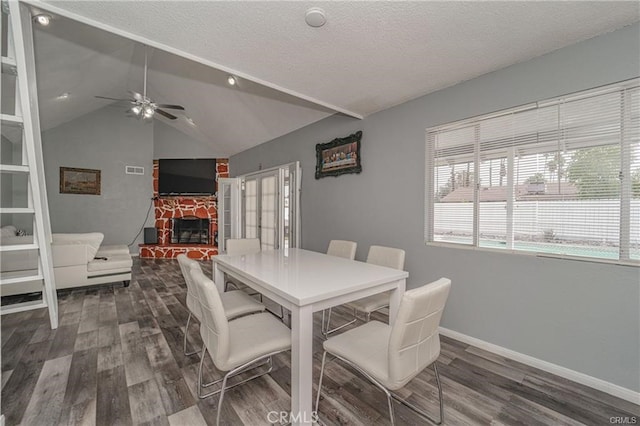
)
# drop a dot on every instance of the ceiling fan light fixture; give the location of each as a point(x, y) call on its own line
point(148, 111)
point(136, 109)
point(42, 19)
point(232, 80)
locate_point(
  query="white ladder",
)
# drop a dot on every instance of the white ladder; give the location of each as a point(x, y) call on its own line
point(18, 63)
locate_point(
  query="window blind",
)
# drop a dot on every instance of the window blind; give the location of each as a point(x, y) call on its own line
point(559, 177)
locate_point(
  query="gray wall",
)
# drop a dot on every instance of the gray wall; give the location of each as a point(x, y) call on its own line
point(580, 315)
point(171, 143)
point(107, 140)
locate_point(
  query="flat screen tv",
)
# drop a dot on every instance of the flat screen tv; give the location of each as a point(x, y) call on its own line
point(187, 176)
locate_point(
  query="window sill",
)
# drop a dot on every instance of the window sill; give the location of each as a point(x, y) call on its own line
point(632, 263)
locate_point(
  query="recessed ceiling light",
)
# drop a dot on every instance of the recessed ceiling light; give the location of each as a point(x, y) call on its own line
point(232, 80)
point(42, 19)
point(315, 17)
point(63, 96)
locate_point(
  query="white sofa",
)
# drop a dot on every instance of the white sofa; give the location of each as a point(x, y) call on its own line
point(78, 260)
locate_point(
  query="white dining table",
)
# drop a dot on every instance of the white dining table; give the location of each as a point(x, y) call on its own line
point(305, 282)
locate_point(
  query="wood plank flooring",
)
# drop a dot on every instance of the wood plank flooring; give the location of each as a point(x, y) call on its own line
point(116, 359)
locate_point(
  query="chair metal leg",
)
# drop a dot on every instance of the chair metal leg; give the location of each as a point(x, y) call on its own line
point(420, 411)
point(392, 417)
point(435, 368)
point(322, 327)
point(235, 371)
point(215, 382)
point(184, 343)
point(224, 384)
point(324, 358)
point(326, 330)
point(232, 373)
point(199, 381)
point(391, 395)
point(228, 284)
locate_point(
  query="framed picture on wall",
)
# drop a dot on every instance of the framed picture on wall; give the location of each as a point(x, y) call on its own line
point(340, 156)
point(79, 181)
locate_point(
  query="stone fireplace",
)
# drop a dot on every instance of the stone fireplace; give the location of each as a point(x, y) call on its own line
point(190, 230)
point(196, 217)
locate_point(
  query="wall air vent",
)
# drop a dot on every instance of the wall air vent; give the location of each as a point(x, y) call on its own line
point(134, 170)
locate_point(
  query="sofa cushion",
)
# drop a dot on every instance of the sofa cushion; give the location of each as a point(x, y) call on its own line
point(8, 231)
point(91, 239)
point(112, 263)
point(106, 251)
point(16, 239)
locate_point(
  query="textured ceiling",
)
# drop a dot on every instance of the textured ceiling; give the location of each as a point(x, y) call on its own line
point(368, 57)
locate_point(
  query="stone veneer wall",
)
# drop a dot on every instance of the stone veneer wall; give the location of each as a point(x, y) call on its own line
point(167, 208)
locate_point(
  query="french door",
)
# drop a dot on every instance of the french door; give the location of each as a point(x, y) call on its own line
point(262, 205)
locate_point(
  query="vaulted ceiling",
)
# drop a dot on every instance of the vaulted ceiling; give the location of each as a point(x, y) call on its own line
point(369, 56)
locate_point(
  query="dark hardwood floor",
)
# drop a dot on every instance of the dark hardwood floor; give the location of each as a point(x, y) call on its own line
point(116, 359)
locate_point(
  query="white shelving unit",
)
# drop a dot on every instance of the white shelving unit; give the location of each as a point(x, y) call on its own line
point(18, 63)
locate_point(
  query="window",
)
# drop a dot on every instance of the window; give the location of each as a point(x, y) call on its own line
point(560, 177)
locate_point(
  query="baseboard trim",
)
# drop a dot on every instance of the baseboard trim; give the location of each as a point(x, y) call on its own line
point(576, 376)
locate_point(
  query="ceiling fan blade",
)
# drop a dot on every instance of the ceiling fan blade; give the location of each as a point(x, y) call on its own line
point(180, 107)
point(166, 114)
point(137, 96)
point(111, 99)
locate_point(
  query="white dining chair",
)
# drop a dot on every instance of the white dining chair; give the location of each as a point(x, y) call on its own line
point(347, 250)
point(391, 356)
point(236, 303)
point(378, 255)
point(238, 345)
point(243, 246)
point(240, 246)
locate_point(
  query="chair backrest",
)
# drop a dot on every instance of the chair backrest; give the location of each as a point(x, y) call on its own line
point(214, 327)
point(342, 248)
point(386, 256)
point(236, 246)
point(193, 301)
point(414, 343)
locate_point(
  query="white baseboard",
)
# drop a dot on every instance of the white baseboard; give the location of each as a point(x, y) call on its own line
point(576, 376)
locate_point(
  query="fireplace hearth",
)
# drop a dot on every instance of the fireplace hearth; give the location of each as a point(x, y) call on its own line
point(190, 230)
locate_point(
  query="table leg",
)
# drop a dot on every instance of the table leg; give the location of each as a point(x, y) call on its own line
point(396, 297)
point(218, 277)
point(301, 365)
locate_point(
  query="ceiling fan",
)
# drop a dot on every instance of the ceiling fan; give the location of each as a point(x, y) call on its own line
point(142, 106)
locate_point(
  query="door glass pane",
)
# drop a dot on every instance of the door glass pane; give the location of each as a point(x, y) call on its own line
point(268, 213)
point(286, 209)
point(250, 209)
point(226, 213)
